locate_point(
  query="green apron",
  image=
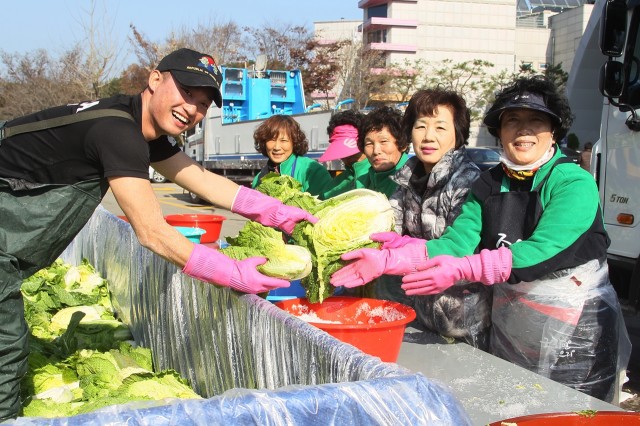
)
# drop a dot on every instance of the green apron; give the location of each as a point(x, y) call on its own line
point(37, 223)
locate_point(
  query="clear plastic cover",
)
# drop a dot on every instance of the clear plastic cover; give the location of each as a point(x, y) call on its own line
point(569, 328)
point(253, 362)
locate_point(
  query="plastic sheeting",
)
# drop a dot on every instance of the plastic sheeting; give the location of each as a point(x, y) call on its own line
point(570, 328)
point(266, 366)
point(462, 311)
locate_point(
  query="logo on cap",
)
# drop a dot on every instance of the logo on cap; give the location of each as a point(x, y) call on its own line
point(209, 66)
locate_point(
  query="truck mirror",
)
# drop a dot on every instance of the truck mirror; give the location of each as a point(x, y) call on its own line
point(611, 81)
point(613, 28)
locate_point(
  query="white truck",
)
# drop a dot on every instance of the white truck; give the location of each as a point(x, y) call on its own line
point(608, 59)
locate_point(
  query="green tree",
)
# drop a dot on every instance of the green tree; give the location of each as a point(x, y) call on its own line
point(555, 73)
point(404, 79)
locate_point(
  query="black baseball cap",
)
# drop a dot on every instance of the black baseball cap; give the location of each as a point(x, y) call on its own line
point(526, 100)
point(194, 69)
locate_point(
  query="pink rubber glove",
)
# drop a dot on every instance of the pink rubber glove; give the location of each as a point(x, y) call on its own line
point(268, 211)
point(392, 240)
point(369, 264)
point(441, 272)
point(210, 265)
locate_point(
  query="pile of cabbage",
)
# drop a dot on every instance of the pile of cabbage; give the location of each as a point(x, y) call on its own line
point(345, 224)
point(81, 357)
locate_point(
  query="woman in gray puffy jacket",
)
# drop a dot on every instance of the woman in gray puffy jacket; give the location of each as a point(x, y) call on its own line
point(432, 186)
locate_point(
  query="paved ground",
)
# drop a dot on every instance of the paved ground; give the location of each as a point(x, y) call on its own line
point(174, 200)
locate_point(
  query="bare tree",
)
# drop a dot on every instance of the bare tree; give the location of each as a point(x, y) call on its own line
point(285, 47)
point(145, 50)
point(319, 71)
point(30, 85)
point(80, 73)
point(101, 51)
point(224, 41)
point(359, 77)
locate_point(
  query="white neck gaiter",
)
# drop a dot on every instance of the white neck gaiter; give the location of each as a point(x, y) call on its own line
point(533, 166)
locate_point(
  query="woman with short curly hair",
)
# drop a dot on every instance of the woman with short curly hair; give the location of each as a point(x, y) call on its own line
point(282, 141)
point(382, 140)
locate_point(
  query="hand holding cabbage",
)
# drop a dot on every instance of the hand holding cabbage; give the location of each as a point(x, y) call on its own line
point(399, 256)
point(285, 261)
point(345, 223)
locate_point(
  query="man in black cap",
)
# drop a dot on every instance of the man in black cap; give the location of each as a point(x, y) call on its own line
point(57, 164)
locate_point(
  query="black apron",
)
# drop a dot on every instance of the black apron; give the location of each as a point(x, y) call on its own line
point(37, 225)
point(508, 217)
point(37, 222)
point(550, 326)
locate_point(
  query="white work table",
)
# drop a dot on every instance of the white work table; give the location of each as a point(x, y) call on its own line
point(489, 388)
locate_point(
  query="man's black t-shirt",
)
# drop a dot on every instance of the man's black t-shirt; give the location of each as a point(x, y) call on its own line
point(98, 148)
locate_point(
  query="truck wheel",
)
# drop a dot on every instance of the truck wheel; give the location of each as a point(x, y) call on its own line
point(195, 198)
point(634, 283)
point(158, 178)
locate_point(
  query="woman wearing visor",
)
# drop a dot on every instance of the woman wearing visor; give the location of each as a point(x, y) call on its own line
point(343, 145)
point(532, 227)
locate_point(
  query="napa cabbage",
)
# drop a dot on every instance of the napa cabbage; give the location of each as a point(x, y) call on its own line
point(284, 261)
point(62, 285)
point(80, 356)
point(345, 223)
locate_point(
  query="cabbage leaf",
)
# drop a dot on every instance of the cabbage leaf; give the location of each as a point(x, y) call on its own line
point(284, 261)
point(345, 223)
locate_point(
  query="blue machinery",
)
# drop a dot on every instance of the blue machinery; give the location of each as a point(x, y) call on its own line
point(253, 95)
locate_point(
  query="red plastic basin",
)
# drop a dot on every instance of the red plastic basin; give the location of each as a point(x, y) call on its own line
point(595, 418)
point(211, 223)
point(374, 326)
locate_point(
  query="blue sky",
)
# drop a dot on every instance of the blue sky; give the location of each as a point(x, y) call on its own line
point(56, 24)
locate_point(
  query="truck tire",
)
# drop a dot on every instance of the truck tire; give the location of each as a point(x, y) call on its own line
point(634, 283)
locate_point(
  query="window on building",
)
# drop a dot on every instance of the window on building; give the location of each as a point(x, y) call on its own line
point(377, 11)
point(542, 66)
point(379, 36)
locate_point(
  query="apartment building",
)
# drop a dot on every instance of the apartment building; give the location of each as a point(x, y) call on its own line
point(507, 33)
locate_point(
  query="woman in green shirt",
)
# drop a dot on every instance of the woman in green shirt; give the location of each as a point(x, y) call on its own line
point(343, 145)
point(280, 139)
point(382, 140)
